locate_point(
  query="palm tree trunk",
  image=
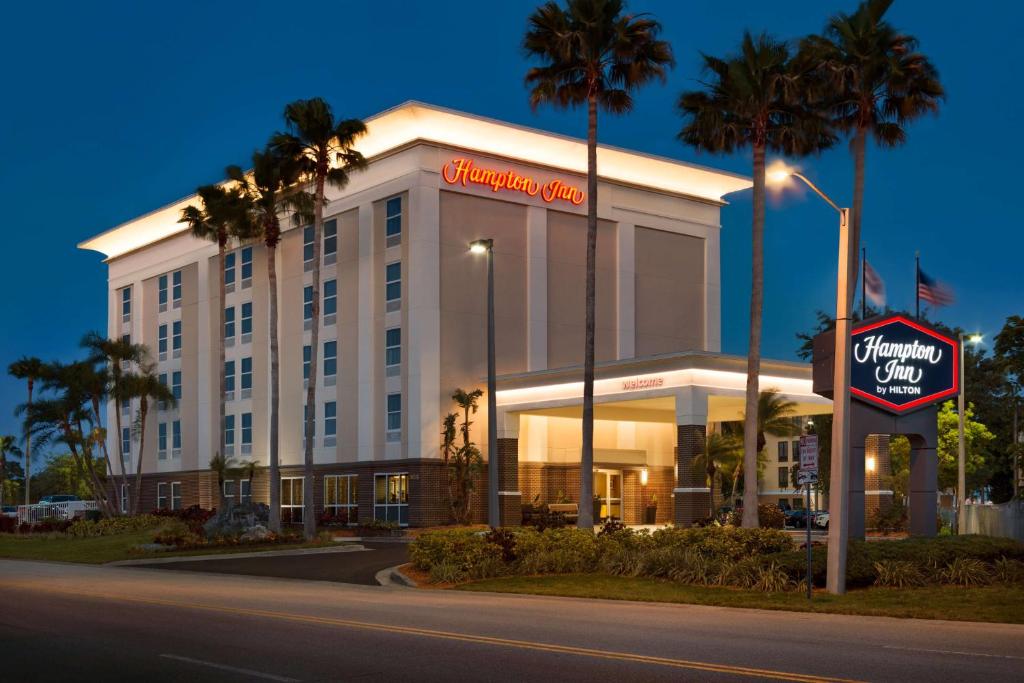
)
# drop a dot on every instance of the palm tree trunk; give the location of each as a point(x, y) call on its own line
point(117, 421)
point(754, 352)
point(137, 493)
point(275, 398)
point(221, 353)
point(859, 145)
point(711, 492)
point(585, 520)
point(28, 447)
point(106, 452)
point(308, 519)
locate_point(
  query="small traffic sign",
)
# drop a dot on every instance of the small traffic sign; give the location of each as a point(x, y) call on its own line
point(804, 477)
point(809, 453)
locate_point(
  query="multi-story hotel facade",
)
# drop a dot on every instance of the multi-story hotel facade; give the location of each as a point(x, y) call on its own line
point(403, 326)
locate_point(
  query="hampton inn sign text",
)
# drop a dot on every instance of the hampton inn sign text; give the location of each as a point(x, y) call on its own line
point(464, 171)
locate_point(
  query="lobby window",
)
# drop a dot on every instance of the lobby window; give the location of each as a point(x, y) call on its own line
point(783, 477)
point(161, 495)
point(230, 486)
point(176, 439)
point(176, 339)
point(161, 344)
point(176, 385)
point(391, 498)
point(246, 433)
point(240, 487)
point(229, 380)
point(229, 435)
point(229, 326)
point(161, 441)
point(126, 444)
point(229, 271)
point(330, 363)
point(307, 352)
point(126, 304)
point(330, 301)
point(246, 267)
point(392, 350)
point(176, 289)
point(393, 285)
point(393, 222)
point(175, 495)
point(783, 451)
point(307, 248)
point(307, 307)
point(330, 241)
point(330, 422)
point(247, 322)
point(291, 500)
point(341, 497)
point(246, 377)
point(161, 287)
point(394, 418)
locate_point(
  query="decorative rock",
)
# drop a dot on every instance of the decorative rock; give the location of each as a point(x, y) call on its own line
point(257, 532)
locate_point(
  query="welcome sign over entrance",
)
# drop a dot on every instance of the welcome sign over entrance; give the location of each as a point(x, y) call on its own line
point(901, 365)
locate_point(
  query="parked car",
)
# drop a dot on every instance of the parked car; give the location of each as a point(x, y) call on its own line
point(785, 506)
point(821, 520)
point(58, 498)
point(798, 518)
point(10, 511)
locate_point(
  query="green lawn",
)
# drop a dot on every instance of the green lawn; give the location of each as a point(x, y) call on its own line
point(102, 549)
point(991, 603)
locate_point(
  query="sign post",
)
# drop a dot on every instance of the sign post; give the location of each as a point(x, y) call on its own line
point(807, 475)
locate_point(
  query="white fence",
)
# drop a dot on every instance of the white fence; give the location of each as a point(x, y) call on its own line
point(1005, 520)
point(67, 510)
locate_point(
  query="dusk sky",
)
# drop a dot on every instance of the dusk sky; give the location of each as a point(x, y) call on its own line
point(113, 110)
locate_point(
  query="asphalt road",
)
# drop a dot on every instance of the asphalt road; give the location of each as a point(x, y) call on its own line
point(352, 567)
point(74, 622)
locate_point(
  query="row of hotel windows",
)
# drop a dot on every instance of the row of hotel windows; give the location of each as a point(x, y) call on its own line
point(174, 279)
point(341, 498)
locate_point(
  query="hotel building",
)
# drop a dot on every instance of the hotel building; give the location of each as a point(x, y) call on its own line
point(404, 325)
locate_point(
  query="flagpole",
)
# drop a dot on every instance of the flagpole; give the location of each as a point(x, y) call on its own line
point(917, 284)
point(863, 283)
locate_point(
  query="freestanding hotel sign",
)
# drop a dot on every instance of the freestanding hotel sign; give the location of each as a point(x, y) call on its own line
point(900, 365)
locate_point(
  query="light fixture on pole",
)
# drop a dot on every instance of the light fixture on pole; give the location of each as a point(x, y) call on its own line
point(961, 460)
point(839, 495)
point(486, 246)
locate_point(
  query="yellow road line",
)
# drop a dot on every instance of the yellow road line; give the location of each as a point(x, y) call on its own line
point(463, 637)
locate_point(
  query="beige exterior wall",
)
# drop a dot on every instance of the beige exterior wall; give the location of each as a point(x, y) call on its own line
point(669, 292)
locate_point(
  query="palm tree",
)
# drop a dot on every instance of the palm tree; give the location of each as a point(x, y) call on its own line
point(595, 55)
point(146, 386)
point(27, 368)
point(325, 147)
point(221, 218)
point(775, 417)
point(755, 99)
point(266, 190)
point(8, 447)
point(722, 455)
point(875, 82)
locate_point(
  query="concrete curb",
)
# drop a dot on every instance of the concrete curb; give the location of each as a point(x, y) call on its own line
point(347, 548)
point(393, 576)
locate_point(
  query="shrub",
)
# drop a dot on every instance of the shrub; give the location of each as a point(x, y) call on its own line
point(770, 578)
point(8, 525)
point(506, 541)
point(898, 574)
point(447, 571)
point(721, 543)
point(966, 571)
point(1008, 571)
point(693, 567)
point(112, 526)
point(177, 533)
point(556, 551)
point(768, 517)
point(470, 551)
point(45, 526)
point(194, 516)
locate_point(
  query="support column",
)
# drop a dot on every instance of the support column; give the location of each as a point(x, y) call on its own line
point(505, 464)
point(691, 495)
point(877, 470)
point(923, 483)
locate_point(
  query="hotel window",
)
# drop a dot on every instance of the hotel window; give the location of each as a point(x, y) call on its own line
point(162, 341)
point(242, 487)
point(796, 451)
point(126, 304)
point(161, 495)
point(291, 500)
point(330, 301)
point(163, 380)
point(394, 417)
point(246, 433)
point(341, 497)
point(330, 363)
point(229, 380)
point(783, 477)
point(175, 495)
point(246, 267)
point(176, 289)
point(391, 498)
point(176, 439)
point(229, 326)
point(246, 377)
point(393, 222)
point(229, 435)
point(330, 422)
point(162, 292)
point(246, 491)
point(783, 451)
point(176, 339)
point(124, 499)
point(127, 339)
point(330, 241)
point(161, 441)
point(176, 385)
point(307, 352)
point(393, 285)
point(229, 272)
point(307, 307)
point(798, 503)
point(307, 248)
point(126, 444)
point(247, 322)
point(229, 492)
point(393, 350)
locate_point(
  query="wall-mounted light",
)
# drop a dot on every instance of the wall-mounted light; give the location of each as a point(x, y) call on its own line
point(643, 477)
point(869, 463)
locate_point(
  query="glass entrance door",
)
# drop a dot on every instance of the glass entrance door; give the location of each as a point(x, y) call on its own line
point(608, 487)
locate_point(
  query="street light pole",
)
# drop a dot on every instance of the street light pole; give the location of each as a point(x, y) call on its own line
point(493, 512)
point(961, 461)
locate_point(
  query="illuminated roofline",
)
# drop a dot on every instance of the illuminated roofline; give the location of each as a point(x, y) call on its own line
point(413, 122)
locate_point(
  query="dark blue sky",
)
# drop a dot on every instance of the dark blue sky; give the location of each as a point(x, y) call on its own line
point(113, 109)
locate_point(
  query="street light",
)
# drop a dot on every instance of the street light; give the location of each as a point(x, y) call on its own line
point(961, 461)
point(839, 496)
point(486, 246)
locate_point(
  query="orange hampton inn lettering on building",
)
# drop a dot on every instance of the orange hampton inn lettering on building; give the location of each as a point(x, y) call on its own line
point(463, 171)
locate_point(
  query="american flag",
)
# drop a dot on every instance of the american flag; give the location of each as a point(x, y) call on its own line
point(933, 291)
point(874, 286)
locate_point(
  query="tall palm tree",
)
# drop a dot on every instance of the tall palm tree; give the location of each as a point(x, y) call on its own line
point(146, 386)
point(325, 146)
point(268, 190)
point(592, 54)
point(775, 417)
point(8, 447)
point(875, 82)
point(756, 99)
point(221, 218)
point(722, 455)
point(27, 368)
